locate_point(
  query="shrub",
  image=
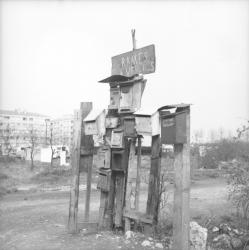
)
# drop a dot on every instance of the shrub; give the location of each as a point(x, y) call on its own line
point(238, 180)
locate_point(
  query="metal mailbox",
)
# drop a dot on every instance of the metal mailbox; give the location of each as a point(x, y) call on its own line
point(129, 126)
point(104, 179)
point(173, 128)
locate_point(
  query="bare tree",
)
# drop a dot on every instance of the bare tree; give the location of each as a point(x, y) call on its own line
point(6, 134)
point(243, 131)
point(33, 139)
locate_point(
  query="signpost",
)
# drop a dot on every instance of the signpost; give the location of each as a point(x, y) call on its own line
point(137, 61)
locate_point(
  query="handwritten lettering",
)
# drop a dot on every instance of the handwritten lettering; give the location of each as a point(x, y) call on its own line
point(140, 61)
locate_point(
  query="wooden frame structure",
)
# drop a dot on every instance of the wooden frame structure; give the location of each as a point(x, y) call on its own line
point(119, 177)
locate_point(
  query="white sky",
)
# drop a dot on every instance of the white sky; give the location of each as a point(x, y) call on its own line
point(54, 52)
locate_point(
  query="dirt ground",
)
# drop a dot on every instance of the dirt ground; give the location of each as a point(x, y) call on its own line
point(35, 219)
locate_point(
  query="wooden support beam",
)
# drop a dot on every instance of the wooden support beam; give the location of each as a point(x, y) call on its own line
point(154, 179)
point(85, 108)
point(139, 149)
point(182, 192)
point(131, 177)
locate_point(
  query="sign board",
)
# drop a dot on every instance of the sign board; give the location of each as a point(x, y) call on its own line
point(138, 61)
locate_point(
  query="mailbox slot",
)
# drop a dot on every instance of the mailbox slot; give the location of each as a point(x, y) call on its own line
point(173, 128)
point(104, 180)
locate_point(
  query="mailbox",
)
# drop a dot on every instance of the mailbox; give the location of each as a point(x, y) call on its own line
point(117, 139)
point(129, 126)
point(104, 157)
point(111, 122)
point(104, 179)
point(118, 160)
point(94, 123)
point(114, 98)
point(173, 128)
point(131, 95)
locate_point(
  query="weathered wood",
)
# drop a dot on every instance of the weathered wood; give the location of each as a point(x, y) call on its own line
point(120, 181)
point(138, 61)
point(154, 180)
point(137, 194)
point(102, 209)
point(75, 156)
point(138, 216)
point(182, 192)
point(131, 178)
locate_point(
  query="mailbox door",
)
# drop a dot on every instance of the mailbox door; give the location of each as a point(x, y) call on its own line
point(143, 124)
point(168, 130)
point(181, 129)
point(114, 98)
point(129, 127)
point(111, 122)
point(125, 98)
point(91, 128)
point(117, 139)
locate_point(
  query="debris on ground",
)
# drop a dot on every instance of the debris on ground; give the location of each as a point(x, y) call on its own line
point(198, 236)
point(224, 237)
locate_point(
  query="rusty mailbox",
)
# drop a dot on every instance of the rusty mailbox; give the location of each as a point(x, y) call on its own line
point(104, 179)
point(173, 128)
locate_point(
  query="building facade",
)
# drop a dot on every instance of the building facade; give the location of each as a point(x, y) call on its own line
point(62, 130)
point(20, 129)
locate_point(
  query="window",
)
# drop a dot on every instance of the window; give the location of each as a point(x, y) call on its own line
point(24, 118)
point(31, 119)
point(6, 117)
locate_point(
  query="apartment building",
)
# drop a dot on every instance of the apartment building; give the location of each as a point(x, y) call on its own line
point(18, 127)
point(63, 130)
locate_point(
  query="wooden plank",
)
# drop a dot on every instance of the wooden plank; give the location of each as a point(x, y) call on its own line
point(102, 209)
point(75, 156)
point(120, 178)
point(182, 192)
point(137, 193)
point(138, 61)
point(131, 177)
point(154, 179)
point(138, 216)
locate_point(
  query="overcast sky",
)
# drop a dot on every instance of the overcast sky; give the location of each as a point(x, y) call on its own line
point(54, 52)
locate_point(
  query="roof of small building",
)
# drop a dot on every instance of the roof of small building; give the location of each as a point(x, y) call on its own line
point(18, 112)
point(93, 115)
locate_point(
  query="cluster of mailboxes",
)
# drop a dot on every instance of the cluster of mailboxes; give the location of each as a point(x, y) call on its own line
point(171, 127)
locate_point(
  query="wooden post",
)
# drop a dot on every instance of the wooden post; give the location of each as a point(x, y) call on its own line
point(139, 149)
point(154, 180)
point(133, 33)
point(131, 177)
point(75, 156)
point(88, 191)
point(181, 193)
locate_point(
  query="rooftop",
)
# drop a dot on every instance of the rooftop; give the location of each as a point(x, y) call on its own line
point(19, 112)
